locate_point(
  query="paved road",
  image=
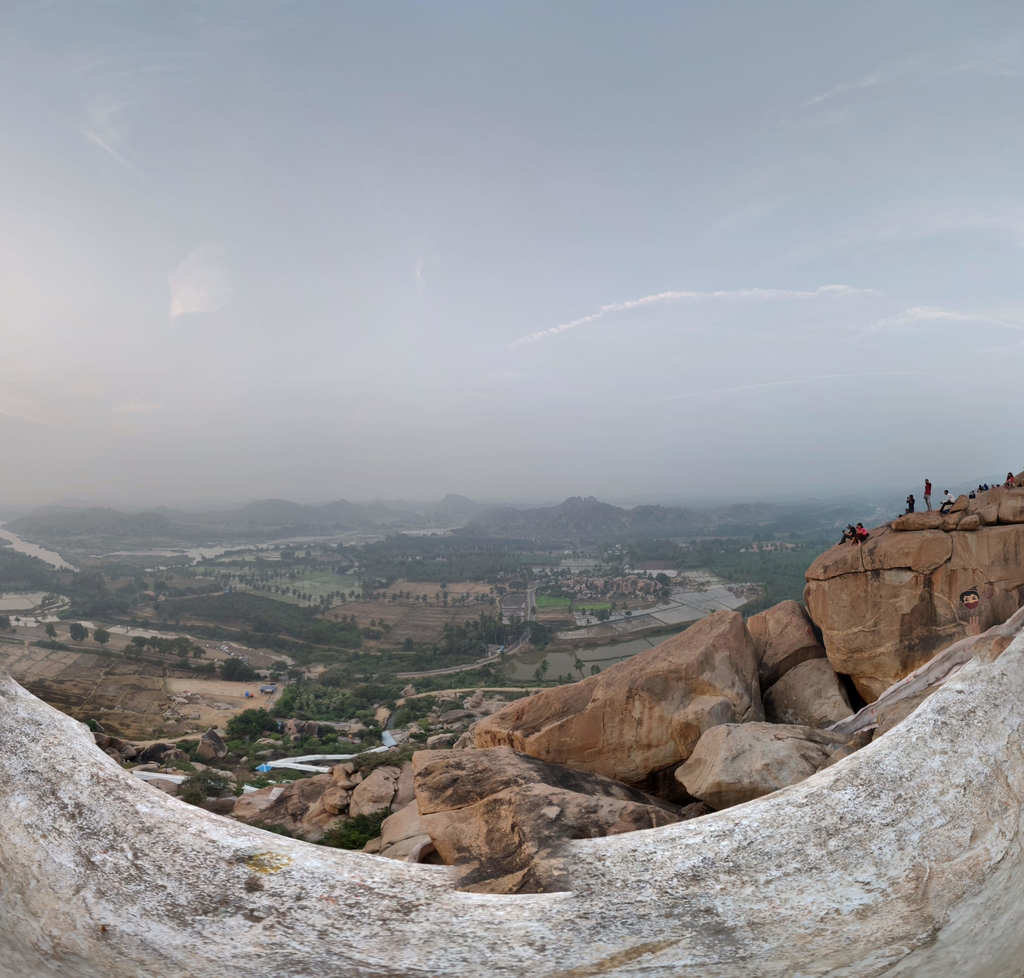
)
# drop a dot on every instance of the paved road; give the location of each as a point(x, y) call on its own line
point(488, 660)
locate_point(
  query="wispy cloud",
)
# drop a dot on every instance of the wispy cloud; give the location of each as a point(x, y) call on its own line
point(100, 130)
point(137, 406)
point(778, 383)
point(1001, 59)
point(924, 314)
point(868, 81)
point(199, 284)
point(750, 295)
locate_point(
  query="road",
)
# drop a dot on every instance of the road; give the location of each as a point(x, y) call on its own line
point(486, 661)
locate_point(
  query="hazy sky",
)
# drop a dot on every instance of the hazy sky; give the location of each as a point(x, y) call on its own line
point(520, 250)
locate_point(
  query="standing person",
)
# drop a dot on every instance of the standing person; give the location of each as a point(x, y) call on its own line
point(928, 494)
point(910, 503)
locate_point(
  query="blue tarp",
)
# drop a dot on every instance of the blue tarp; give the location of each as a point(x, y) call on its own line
point(264, 768)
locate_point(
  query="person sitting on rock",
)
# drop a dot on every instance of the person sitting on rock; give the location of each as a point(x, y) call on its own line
point(1010, 481)
point(972, 495)
point(947, 502)
point(849, 534)
point(910, 504)
point(860, 534)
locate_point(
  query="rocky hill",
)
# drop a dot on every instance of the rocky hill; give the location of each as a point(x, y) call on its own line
point(918, 585)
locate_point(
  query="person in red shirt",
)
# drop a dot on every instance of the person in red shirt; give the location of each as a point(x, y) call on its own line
point(928, 494)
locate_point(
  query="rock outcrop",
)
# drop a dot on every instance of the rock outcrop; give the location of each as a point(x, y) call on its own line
point(809, 694)
point(309, 807)
point(502, 818)
point(737, 762)
point(887, 606)
point(901, 860)
point(642, 715)
point(783, 637)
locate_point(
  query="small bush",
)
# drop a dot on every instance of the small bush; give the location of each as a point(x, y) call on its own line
point(277, 829)
point(197, 788)
point(355, 833)
point(367, 762)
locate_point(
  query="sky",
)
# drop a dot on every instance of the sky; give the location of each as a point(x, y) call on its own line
point(518, 251)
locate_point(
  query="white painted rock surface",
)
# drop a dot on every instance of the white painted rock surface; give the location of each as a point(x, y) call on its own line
point(902, 860)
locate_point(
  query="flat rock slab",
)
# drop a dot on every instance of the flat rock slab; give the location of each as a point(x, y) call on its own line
point(903, 860)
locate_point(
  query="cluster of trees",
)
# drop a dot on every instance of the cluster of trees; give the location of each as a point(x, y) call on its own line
point(181, 647)
point(250, 724)
point(469, 640)
point(20, 572)
point(267, 619)
point(402, 557)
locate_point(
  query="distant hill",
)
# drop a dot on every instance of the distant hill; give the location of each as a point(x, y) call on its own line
point(454, 508)
point(98, 529)
point(586, 521)
point(577, 521)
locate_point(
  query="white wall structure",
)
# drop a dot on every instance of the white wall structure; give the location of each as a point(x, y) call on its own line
point(902, 860)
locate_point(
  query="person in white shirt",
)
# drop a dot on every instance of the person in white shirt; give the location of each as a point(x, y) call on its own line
point(947, 502)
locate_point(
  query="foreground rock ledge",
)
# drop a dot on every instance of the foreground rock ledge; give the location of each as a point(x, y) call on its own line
point(903, 859)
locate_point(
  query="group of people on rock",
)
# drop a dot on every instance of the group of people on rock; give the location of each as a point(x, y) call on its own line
point(948, 499)
point(857, 534)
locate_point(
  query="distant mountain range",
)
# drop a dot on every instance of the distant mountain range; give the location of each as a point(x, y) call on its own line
point(104, 529)
point(587, 521)
point(577, 521)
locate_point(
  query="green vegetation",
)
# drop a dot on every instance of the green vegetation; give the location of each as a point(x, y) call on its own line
point(250, 724)
point(440, 559)
point(198, 787)
point(551, 601)
point(101, 635)
point(78, 631)
point(20, 572)
point(267, 622)
point(236, 670)
point(355, 833)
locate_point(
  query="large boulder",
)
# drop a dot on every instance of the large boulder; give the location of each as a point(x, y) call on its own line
point(783, 637)
point(810, 694)
point(296, 807)
point(887, 606)
point(737, 762)
point(642, 715)
point(402, 836)
point(376, 792)
point(501, 818)
point(211, 746)
point(154, 752)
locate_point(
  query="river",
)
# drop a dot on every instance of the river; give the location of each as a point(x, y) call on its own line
point(24, 547)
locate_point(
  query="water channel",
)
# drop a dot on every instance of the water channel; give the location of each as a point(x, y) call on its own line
point(24, 547)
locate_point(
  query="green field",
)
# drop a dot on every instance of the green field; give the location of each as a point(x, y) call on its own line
point(301, 585)
point(547, 601)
